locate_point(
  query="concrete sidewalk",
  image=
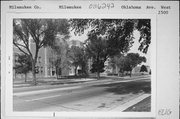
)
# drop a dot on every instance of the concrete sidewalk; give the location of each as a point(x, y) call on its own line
point(72, 81)
point(130, 103)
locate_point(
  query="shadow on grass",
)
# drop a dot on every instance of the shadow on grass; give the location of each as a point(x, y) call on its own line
point(129, 87)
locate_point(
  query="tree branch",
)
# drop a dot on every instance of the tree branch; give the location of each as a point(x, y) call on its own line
point(42, 43)
point(20, 49)
point(24, 39)
point(19, 44)
point(30, 31)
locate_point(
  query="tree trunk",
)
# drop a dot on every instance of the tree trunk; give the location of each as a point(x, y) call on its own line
point(130, 73)
point(98, 75)
point(75, 70)
point(57, 72)
point(34, 65)
point(25, 77)
point(34, 73)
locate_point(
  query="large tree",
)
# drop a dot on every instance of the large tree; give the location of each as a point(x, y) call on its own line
point(111, 37)
point(96, 48)
point(60, 56)
point(41, 32)
point(132, 60)
point(78, 58)
point(119, 62)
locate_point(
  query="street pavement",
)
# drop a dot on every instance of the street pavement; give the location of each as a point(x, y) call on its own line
point(104, 95)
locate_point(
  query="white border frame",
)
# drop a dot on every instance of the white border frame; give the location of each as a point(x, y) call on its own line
point(9, 63)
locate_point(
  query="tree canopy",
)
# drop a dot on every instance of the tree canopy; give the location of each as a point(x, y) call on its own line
point(128, 62)
point(143, 69)
point(119, 32)
point(77, 58)
point(132, 60)
point(41, 32)
point(109, 37)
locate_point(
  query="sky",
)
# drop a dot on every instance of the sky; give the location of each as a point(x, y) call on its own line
point(133, 49)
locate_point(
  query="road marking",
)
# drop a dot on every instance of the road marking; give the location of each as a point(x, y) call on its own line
point(42, 98)
point(44, 91)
